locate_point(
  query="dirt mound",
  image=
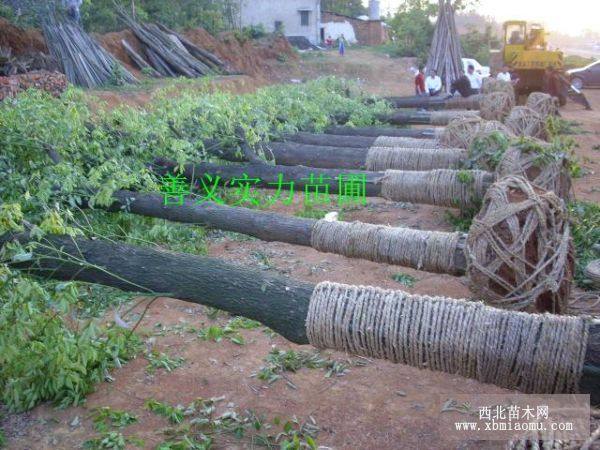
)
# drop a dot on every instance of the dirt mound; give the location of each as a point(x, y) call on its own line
point(21, 41)
point(250, 57)
point(112, 43)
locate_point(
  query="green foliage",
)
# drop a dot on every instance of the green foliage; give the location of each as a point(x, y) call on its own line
point(477, 45)
point(214, 16)
point(559, 149)
point(250, 32)
point(229, 331)
point(160, 360)
point(462, 220)
point(576, 62)
point(487, 152)
point(412, 30)
point(280, 361)
point(45, 353)
point(198, 425)
point(104, 418)
point(352, 8)
point(585, 220)
point(2, 438)
point(405, 279)
point(112, 440)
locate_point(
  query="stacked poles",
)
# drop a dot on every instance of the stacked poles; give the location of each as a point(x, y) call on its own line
point(83, 60)
point(433, 103)
point(278, 302)
point(445, 54)
point(169, 53)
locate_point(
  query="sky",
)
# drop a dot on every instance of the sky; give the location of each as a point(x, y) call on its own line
point(572, 17)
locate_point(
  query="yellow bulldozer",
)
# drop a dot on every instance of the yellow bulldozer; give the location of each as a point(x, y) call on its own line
point(528, 57)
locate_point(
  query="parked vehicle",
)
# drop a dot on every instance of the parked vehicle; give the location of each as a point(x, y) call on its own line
point(585, 77)
point(484, 71)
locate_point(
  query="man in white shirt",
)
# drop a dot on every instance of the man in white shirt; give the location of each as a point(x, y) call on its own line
point(433, 83)
point(504, 75)
point(474, 78)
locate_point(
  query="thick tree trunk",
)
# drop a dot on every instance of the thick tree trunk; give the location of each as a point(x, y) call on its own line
point(423, 133)
point(269, 175)
point(266, 176)
point(264, 225)
point(331, 140)
point(435, 103)
point(294, 154)
point(279, 303)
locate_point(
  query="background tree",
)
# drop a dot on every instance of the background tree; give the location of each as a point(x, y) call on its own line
point(352, 8)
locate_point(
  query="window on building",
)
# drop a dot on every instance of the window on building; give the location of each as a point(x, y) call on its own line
point(304, 18)
point(278, 25)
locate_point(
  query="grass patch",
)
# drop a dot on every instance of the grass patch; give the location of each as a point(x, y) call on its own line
point(404, 279)
point(585, 222)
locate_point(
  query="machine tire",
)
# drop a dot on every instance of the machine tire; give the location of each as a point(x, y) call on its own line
point(577, 83)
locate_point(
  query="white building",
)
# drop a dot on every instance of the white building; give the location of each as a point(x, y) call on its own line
point(294, 17)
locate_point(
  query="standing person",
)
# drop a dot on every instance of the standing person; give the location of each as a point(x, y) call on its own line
point(504, 75)
point(342, 45)
point(329, 42)
point(463, 85)
point(72, 7)
point(420, 82)
point(474, 78)
point(433, 83)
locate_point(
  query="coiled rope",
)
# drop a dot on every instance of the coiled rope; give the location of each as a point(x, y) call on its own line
point(432, 251)
point(530, 352)
point(384, 158)
point(442, 187)
point(524, 121)
point(408, 142)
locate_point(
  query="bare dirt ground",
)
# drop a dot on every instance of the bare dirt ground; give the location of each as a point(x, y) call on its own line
point(378, 405)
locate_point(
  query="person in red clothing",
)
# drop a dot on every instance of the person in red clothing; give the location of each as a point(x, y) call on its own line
point(420, 82)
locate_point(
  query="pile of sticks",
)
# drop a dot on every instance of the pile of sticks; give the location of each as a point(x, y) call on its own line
point(82, 59)
point(169, 54)
point(445, 54)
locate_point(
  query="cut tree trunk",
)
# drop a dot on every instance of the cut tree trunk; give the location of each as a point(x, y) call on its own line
point(435, 103)
point(331, 140)
point(267, 176)
point(425, 133)
point(263, 225)
point(278, 302)
point(293, 154)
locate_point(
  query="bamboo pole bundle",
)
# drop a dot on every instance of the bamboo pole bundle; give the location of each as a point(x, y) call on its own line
point(445, 54)
point(84, 61)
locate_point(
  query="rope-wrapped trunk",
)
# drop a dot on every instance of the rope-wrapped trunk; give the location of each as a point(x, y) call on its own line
point(441, 187)
point(549, 354)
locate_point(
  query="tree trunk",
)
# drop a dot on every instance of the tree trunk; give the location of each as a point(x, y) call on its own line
point(426, 133)
point(435, 103)
point(266, 176)
point(278, 302)
point(264, 225)
point(294, 154)
point(331, 140)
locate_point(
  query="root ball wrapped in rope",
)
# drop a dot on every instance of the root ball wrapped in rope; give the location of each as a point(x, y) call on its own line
point(496, 105)
point(461, 132)
point(491, 85)
point(542, 103)
point(524, 121)
point(519, 251)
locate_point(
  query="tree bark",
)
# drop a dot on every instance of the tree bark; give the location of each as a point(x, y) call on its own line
point(277, 302)
point(435, 103)
point(425, 133)
point(293, 154)
point(331, 140)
